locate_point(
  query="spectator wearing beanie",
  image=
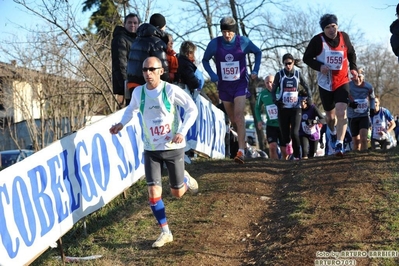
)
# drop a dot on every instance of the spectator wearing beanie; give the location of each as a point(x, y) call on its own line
point(157, 20)
point(151, 40)
point(333, 75)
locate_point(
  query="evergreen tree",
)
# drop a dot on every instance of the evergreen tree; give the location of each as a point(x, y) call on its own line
point(104, 18)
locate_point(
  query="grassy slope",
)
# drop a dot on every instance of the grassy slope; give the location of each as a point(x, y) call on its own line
point(262, 212)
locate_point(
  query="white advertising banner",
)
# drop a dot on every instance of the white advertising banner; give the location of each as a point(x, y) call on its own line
point(207, 135)
point(43, 196)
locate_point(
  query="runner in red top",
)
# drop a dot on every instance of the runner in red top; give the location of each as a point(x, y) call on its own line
point(331, 54)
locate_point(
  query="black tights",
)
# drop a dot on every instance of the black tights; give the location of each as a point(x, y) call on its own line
point(290, 121)
point(309, 147)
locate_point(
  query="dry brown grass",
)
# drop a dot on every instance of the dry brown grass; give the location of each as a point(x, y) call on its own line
point(264, 212)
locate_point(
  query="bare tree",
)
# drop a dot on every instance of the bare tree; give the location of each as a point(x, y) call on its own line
point(289, 31)
point(73, 52)
point(382, 71)
point(67, 70)
point(74, 58)
point(208, 14)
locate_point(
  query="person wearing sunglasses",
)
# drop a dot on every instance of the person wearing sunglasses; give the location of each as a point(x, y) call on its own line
point(331, 53)
point(151, 40)
point(229, 52)
point(164, 138)
point(287, 82)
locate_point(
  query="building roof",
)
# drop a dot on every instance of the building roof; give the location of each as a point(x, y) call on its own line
point(8, 70)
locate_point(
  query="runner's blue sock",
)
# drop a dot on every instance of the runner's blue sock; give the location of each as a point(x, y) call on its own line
point(158, 209)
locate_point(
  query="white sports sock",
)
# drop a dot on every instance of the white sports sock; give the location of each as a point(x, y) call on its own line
point(165, 229)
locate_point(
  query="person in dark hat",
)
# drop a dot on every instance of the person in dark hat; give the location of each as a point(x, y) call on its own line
point(288, 102)
point(331, 53)
point(158, 21)
point(229, 52)
point(151, 40)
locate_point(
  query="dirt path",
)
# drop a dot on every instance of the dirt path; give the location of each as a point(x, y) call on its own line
point(265, 213)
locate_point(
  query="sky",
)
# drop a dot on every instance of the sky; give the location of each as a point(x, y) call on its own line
point(373, 17)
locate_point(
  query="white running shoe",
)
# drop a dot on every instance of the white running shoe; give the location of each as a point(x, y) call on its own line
point(162, 240)
point(191, 183)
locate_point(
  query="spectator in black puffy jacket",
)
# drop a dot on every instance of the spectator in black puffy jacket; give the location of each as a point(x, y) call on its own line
point(394, 28)
point(151, 40)
point(120, 46)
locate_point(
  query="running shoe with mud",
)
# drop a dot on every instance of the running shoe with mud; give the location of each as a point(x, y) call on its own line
point(192, 184)
point(240, 158)
point(339, 150)
point(162, 240)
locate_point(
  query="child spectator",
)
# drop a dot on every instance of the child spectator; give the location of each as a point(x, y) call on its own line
point(172, 59)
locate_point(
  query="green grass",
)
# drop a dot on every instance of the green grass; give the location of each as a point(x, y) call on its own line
point(112, 232)
point(108, 225)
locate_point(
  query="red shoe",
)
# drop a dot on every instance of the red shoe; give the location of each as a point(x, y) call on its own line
point(239, 157)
